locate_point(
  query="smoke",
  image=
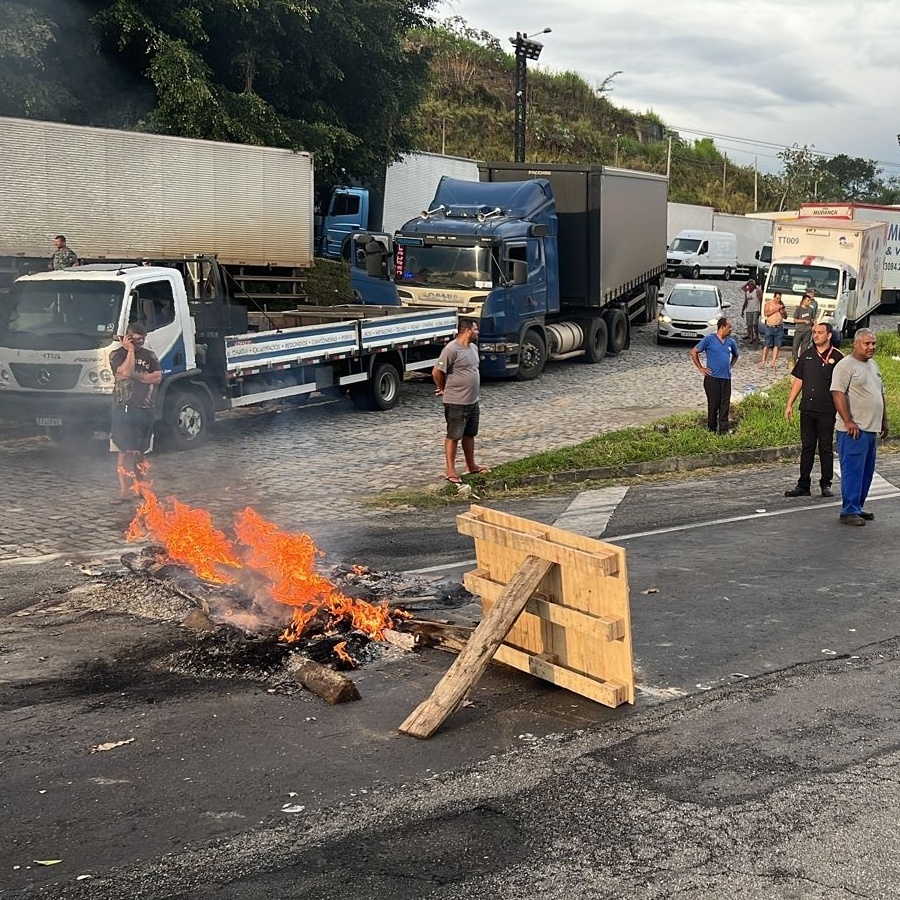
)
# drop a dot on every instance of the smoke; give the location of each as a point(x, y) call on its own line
point(52, 68)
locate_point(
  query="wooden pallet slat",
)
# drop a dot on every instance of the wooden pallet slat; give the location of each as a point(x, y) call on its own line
point(468, 667)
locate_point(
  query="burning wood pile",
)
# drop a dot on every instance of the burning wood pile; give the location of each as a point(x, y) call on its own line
point(266, 583)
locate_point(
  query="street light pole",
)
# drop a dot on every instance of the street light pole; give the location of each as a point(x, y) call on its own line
point(526, 49)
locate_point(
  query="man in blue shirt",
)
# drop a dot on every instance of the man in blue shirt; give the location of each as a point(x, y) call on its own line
point(721, 355)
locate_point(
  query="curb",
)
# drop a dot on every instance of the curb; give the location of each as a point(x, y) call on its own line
point(662, 466)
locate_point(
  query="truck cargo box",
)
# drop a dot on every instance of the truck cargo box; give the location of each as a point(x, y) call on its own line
point(126, 195)
point(612, 227)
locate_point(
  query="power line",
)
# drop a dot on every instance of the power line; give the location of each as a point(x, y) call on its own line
point(770, 145)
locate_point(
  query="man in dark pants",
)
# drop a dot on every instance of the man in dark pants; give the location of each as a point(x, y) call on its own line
point(721, 355)
point(138, 374)
point(812, 383)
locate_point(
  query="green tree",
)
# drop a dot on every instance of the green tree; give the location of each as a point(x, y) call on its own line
point(853, 178)
point(339, 79)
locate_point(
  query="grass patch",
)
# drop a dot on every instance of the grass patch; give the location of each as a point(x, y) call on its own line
point(759, 418)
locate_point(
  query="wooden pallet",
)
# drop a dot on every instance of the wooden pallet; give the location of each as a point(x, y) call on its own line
point(555, 605)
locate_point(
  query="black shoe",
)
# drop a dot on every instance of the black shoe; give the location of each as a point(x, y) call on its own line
point(852, 520)
point(797, 492)
point(827, 492)
point(867, 516)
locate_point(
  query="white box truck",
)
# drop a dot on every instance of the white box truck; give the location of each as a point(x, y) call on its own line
point(122, 195)
point(866, 212)
point(841, 260)
point(751, 235)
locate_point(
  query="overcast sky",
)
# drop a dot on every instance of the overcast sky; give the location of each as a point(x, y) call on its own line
point(815, 72)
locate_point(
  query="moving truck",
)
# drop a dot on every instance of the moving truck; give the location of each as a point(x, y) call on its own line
point(555, 262)
point(121, 195)
point(842, 261)
point(865, 212)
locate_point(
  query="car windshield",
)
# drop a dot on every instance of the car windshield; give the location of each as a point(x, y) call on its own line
point(60, 315)
point(466, 268)
point(685, 245)
point(687, 297)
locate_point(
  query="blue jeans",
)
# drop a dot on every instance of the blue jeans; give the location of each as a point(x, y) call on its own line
point(857, 458)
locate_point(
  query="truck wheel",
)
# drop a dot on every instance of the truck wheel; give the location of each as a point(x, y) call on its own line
point(617, 325)
point(726, 275)
point(186, 419)
point(532, 356)
point(381, 392)
point(651, 303)
point(595, 340)
point(695, 273)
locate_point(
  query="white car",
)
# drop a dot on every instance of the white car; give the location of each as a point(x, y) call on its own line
point(690, 312)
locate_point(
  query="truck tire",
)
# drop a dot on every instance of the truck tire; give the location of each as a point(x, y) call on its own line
point(532, 356)
point(695, 273)
point(596, 337)
point(726, 275)
point(651, 304)
point(381, 391)
point(617, 325)
point(186, 419)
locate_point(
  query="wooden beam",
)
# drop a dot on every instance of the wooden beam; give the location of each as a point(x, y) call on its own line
point(322, 681)
point(469, 666)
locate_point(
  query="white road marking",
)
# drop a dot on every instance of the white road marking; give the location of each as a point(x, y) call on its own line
point(589, 513)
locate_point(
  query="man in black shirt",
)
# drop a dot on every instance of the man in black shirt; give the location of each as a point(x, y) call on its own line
point(812, 382)
point(137, 373)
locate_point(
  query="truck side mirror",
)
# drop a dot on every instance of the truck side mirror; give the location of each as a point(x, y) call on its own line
point(851, 284)
point(757, 254)
point(520, 271)
point(375, 254)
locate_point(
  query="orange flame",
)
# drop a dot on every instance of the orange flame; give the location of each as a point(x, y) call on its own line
point(340, 651)
point(287, 560)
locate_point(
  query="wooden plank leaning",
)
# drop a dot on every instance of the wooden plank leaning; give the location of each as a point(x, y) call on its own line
point(468, 667)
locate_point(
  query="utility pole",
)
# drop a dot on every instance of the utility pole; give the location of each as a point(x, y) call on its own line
point(525, 49)
point(669, 159)
point(616, 163)
point(724, 170)
point(755, 184)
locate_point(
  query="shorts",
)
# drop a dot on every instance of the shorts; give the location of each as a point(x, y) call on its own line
point(752, 319)
point(462, 420)
point(774, 336)
point(132, 429)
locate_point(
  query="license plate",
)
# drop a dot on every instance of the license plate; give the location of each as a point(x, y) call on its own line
point(49, 421)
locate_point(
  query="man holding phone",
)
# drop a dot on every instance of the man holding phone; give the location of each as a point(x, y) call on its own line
point(137, 373)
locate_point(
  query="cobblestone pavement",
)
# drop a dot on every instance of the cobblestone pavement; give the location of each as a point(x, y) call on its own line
point(309, 468)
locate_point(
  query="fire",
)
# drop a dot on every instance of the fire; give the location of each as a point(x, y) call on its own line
point(340, 651)
point(286, 560)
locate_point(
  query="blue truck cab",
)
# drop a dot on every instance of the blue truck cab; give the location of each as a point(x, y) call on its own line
point(555, 262)
point(345, 213)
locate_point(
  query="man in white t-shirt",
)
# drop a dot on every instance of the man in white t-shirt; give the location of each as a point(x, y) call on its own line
point(858, 393)
point(750, 310)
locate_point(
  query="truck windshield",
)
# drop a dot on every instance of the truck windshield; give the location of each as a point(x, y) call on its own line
point(465, 268)
point(686, 245)
point(796, 278)
point(60, 315)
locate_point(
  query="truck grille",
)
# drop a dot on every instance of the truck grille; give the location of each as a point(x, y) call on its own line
point(47, 377)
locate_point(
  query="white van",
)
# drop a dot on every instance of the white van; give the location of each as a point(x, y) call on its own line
point(696, 253)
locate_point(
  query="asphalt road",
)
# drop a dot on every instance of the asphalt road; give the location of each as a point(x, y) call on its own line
point(757, 762)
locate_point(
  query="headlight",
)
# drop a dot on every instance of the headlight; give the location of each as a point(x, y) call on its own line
point(4, 375)
point(712, 321)
point(665, 319)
